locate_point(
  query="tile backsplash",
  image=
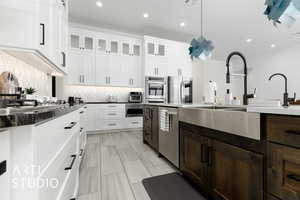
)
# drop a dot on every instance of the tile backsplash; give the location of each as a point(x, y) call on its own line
point(92, 93)
point(27, 75)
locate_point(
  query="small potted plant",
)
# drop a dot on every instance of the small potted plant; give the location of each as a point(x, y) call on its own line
point(29, 93)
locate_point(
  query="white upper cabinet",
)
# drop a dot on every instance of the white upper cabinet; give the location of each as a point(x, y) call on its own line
point(113, 60)
point(82, 60)
point(156, 62)
point(34, 25)
point(166, 58)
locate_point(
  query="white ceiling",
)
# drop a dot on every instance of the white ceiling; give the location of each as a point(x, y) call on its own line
point(228, 22)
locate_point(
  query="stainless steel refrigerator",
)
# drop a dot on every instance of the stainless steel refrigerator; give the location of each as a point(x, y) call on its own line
point(180, 90)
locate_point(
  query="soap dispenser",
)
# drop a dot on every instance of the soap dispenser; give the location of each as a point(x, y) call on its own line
point(228, 97)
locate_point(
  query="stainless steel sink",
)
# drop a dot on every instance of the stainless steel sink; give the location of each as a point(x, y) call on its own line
point(233, 120)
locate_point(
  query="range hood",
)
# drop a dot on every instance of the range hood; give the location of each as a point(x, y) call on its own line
point(34, 58)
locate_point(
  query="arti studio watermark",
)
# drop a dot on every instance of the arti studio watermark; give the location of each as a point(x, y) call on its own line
point(31, 177)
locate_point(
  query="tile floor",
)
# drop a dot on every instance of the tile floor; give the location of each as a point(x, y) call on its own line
point(115, 164)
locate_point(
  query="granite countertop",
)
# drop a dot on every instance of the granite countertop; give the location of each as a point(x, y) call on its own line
point(13, 117)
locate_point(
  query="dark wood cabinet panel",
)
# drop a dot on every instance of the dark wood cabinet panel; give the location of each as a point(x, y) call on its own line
point(270, 197)
point(283, 171)
point(151, 126)
point(283, 130)
point(194, 157)
point(235, 173)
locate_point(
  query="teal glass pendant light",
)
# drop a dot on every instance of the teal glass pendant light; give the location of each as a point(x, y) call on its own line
point(201, 48)
point(283, 11)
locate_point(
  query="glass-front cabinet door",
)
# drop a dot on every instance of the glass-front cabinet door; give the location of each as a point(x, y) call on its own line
point(88, 43)
point(75, 41)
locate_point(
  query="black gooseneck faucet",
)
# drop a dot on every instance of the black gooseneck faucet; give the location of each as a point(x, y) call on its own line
point(236, 53)
point(286, 98)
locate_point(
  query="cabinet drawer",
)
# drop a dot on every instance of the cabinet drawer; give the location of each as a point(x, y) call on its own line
point(49, 137)
point(136, 122)
point(283, 129)
point(57, 171)
point(283, 171)
point(111, 114)
point(111, 125)
point(120, 107)
point(68, 191)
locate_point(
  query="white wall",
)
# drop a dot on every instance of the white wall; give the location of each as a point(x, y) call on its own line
point(286, 61)
point(27, 75)
point(204, 71)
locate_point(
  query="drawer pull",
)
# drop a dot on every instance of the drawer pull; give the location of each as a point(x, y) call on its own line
point(81, 152)
point(112, 106)
point(135, 122)
point(112, 124)
point(72, 163)
point(112, 114)
point(81, 112)
point(209, 153)
point(72, 124)
point(294, 177)
point(293, 132)
point(3, 167)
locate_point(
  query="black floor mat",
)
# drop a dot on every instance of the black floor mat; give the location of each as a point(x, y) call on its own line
point(170, 187)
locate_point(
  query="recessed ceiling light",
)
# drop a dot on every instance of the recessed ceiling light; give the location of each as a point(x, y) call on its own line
point(182, 24)
point(249, 40)
point(99, 4)
point(273, 46)
point(146, 15)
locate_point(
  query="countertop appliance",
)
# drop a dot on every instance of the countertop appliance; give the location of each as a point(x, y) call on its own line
point(169, 134)
point(156, 90)
point(180, 90)
point(134, 110)
point(135, 97)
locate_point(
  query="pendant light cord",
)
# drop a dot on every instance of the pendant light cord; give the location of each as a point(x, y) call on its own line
point(201, 17)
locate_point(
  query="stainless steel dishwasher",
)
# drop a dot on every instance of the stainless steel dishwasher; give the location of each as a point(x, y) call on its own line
point(169, 134)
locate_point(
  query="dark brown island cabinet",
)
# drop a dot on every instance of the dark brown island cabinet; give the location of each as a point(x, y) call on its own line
point(151, 126)
point(228, 167)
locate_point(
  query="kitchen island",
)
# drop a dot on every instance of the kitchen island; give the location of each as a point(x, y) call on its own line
point(241, 152)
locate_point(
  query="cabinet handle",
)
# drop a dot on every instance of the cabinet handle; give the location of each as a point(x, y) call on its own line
point(209, 156)
point(72, 124)
point(294, 177)
point(114, 124)
point(42, 26)
point(134, 122)
point(83, 78)
point(292, 132)
point(81, 129)
point(112, 114)
point(3, 167)
point(81, 152)
point(81, 112)
point(112, 106)
point(203, 154)
point(63, 59)
point(72, 163)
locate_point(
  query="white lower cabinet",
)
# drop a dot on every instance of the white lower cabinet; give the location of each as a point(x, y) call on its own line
point(111, 117)
point(5, 163)
point(49, 154)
